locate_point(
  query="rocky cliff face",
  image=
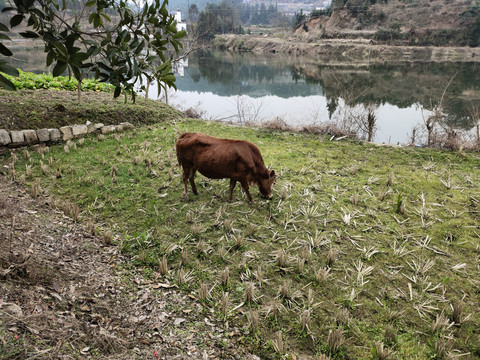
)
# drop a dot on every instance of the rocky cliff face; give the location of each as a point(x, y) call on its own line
point(423, 22)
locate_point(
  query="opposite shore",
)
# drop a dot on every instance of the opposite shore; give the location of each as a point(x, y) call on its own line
point(345, 51)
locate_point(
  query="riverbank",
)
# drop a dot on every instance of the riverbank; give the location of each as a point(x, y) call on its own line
point(345, 51)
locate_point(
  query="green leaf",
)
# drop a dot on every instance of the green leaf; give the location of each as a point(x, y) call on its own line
point(7, 69)
point(16, 20)
point(6, 84)
point(4, 37)
point(59, 68)
point(105, 16)
point(76, 72)
point(78, 58)
point(50, 58)
point(97, 20)
point(5, 51)
point(118, 91)
point(3, 27)
point(9, 8)
point(29, 34)
point(91, 3)
point(61, 49)
point(169, 79)
point(179, 34)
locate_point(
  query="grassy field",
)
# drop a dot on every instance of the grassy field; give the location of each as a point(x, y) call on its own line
point(365, 252)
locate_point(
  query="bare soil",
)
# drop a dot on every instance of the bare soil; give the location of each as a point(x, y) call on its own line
point(66, 294)
point(346, 52)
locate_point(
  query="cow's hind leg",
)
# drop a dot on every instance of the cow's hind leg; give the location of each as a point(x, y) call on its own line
point(245, 188)
point(191, 177)
point(230, 190)
point(185, 173)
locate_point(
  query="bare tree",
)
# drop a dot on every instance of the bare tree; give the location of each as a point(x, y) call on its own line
point(247, 111)
point(437, 116)
point(473, 111)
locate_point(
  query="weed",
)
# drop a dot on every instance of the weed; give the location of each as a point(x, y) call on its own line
point(336, 339)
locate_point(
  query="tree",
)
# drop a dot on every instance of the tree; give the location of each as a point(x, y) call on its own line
point(193, 13)
point(120, 43)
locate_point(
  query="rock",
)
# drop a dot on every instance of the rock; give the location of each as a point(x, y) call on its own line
point(43, 135)
point(90, 127)
point(55, 134)
point(98, 126)
point(30, 136)
point(17, 137)
point(66, 133)
point(4, 137)
point(108, 129)
point(126, 126)
point(12, 309)
point(79, 130)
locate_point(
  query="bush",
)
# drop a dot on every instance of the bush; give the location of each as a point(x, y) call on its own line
point(28, 80)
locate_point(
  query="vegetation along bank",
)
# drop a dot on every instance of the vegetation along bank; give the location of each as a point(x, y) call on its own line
point(364, 251)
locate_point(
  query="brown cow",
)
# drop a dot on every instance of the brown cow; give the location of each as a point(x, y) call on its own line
point(215, 158)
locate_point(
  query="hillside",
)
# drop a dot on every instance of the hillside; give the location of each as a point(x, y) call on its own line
point(365, 252)
point(422, 22)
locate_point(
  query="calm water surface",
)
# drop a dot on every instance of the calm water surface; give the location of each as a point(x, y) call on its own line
point(299, 92)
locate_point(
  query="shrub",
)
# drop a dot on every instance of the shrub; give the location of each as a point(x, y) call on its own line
point(28, 80)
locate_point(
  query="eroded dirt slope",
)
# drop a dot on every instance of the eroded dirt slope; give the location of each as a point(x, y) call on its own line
point(65, 294)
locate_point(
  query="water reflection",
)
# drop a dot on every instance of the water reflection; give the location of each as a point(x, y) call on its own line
point(301, 92)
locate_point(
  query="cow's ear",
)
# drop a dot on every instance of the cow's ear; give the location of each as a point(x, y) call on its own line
point(272, 173)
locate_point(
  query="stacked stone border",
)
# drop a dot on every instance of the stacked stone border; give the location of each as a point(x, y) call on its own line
point(18, 138)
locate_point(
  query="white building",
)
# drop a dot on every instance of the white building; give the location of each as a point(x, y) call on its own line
point(180, 25)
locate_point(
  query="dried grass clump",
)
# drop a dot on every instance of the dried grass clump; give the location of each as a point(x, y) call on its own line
point(224, 276)
point(379, 352)
point(278, 343)
point(277, 124)
point(92, 229)
point(224, 303)
point(457, 309)
point(331, 257)
point(305, 320)
point(336, 338)
point(162, 266)
point(203, 292)
point(322, 274)
point(253, 320)
point(249, 292)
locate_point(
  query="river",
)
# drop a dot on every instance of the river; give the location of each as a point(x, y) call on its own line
point(299, 92)
point(249, 88)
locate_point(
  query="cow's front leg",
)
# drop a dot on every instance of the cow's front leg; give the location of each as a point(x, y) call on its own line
point(230, 190)
point(192, 181)
point(245, 188)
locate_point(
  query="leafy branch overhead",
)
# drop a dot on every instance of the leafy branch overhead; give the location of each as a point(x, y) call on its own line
point(120, 42)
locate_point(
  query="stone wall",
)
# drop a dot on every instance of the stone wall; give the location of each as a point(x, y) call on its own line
point(18, 138)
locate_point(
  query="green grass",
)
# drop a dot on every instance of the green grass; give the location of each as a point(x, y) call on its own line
point(389, 236)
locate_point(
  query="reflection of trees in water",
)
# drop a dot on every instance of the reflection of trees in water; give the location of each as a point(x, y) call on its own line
point(31, 59)
point(403, 86)
point(224, 71)
point(246, 74)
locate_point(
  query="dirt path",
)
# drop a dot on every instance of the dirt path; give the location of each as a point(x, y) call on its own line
point(64, 294)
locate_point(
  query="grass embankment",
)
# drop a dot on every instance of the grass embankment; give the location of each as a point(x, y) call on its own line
point(44, 101)
point(363, 249)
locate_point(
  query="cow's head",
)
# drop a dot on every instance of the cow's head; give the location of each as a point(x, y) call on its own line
point(266, 184)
